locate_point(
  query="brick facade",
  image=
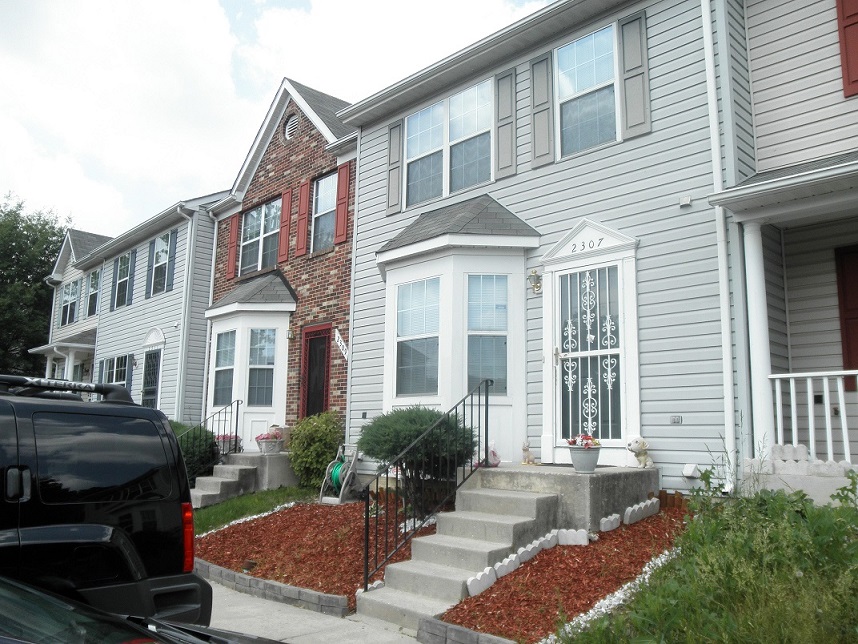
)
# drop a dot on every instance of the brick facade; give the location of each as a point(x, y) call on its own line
point(322, 280)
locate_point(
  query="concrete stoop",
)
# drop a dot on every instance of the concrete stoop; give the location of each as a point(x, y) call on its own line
point(487, 526)
point(243, 473)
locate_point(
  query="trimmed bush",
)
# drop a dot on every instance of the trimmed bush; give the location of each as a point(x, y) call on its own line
point(199, 449)
point(314, 445)
point(434, 458)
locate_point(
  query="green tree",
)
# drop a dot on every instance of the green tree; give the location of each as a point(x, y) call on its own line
point(29, 243)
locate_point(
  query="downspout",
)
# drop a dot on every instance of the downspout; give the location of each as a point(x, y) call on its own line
point(721, 237)
point(204, 408)
point(349, 436)
point(178, 412)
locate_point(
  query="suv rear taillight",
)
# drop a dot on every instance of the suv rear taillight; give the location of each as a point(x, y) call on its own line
point(188, 537)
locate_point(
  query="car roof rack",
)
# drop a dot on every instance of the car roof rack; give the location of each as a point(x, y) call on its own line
point(28, 386)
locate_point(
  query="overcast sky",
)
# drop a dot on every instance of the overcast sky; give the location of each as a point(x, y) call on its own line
point(111, 111)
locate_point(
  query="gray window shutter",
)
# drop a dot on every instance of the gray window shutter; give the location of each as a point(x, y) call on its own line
point(131, 265)
point(113, 285)
point(634, 84)
point(541, 111)
point(129, 370)
point(149, 269)
point(505, 130)
point(171, 260)
point(394, 168)
point(100, 371)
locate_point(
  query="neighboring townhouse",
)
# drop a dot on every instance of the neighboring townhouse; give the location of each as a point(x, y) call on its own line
point(791, 183)
point(71, 340)
point(152, 294)
point(535, 210)
point(279, 317)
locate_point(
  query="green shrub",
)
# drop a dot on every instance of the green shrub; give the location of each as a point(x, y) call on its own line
point(435, 458)
point(314, 445)
point(199, 450)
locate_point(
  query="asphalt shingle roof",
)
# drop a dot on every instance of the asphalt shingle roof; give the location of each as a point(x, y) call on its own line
point(270, 287)
point(83, 243)
point(478, 216)
point(326, 107)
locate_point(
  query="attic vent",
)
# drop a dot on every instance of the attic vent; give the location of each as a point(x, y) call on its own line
point(290, 127)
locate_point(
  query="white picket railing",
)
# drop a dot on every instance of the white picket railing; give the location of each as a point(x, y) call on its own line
point(796, 392)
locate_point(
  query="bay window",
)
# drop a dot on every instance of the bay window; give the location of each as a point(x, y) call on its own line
point(417, 328)
point(260, 377)
point(487, 331)
point(224, 368)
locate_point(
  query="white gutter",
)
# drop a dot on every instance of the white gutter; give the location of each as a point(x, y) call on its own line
point(186, 313)
point(723, 263)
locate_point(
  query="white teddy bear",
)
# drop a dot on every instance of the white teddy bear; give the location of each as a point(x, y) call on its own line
point(638, 446)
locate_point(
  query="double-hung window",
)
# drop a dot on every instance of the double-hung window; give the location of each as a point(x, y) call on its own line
point(260, 236)
point(160, 258)
point(586, 92)
point(487, 331)
point(69, 305)
point(123, 276)
point(224, 368)
point(116, 370)
point(417, 328)
point(448, 145)
point(92, 299)
point(260, 378)
point(324, 212)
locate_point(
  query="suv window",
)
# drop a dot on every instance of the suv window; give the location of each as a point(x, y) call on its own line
point(86, 458)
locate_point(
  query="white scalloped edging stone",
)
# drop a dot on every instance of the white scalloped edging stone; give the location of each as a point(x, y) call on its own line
point(609, 523)
point(481, 581)
point(573, 537)
point(373, 586)
point(641, 511)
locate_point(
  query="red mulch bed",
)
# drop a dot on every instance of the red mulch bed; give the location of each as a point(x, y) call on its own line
point(321, 547)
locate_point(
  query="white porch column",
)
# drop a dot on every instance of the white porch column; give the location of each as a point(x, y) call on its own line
point(758, 340)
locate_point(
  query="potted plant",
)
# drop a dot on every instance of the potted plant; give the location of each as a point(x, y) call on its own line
point(270, 442)
point(584, 449)
point(228, 443)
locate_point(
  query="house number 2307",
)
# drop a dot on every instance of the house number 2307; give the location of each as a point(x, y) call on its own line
point(586, 244)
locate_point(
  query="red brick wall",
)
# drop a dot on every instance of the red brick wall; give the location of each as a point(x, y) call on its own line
point(322, 280)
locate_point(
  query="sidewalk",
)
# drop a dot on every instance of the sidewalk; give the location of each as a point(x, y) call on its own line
point(236, 611)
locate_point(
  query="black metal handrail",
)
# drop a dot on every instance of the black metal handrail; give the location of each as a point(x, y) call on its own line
point(423, 479)
point(202, 445)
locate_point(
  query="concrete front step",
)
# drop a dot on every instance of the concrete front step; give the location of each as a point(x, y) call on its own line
point(459, 552)
point(501, 528)
point(217, 484)
point(428, 579)
point(508, 502)
point(399, 607)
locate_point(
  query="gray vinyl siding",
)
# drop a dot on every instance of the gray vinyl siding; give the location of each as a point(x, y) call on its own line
point(812, 286)
point(799, 108)
point(124, 330)
point(776, 299)
point(734, 79)
point(634, 187)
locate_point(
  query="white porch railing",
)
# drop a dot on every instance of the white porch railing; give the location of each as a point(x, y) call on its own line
point(799, 422)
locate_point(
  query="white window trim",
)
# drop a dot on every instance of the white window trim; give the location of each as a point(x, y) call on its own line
point(93, 293)
point(446, 145)
point(156, 264)
point(574, 253)
point(216, 369)
point(68, 306)
point(261, 237)
point(558, 156)
point(497, 334)
point(126, 279)
point(317, 214)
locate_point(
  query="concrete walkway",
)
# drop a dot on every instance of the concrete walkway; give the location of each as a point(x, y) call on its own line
point(236, 611)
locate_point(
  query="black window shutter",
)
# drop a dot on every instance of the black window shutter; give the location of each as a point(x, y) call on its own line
point(131, 265)
point(113, 285)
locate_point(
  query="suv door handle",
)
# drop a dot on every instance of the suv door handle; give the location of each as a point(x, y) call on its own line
point(17, 484)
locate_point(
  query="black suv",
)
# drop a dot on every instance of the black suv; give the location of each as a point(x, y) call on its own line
point(96, 501)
